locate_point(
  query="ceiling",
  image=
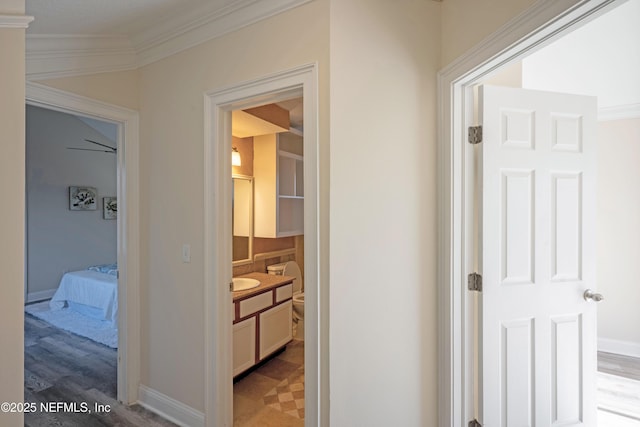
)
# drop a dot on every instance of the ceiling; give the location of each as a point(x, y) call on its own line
point(108, 17)
point(66, 35)
point(78, 37)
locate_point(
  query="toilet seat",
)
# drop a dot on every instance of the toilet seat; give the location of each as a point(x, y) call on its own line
point(289, 268)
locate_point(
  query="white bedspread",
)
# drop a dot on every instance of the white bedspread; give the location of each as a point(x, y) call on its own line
point(90, 288)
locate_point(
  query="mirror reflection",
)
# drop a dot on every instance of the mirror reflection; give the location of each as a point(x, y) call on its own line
point(242, 218)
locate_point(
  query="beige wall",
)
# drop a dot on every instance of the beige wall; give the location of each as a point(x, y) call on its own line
point(466, 22)
point(377, 64)
point(172, 180)
point(118, 88)
point(12, 191)
point(618, 230)
point(384, 59)
point(169, 96)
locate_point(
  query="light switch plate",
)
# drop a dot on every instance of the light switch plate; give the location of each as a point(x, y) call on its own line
point(186, 253)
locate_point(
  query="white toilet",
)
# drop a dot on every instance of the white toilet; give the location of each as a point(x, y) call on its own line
point(291, 268)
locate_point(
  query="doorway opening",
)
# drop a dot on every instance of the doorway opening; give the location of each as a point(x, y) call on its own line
point(268, 250)
point(538, 27)
point(282, 88)
point(125, 189)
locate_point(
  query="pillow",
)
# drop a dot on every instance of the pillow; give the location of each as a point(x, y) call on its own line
point(111, 269)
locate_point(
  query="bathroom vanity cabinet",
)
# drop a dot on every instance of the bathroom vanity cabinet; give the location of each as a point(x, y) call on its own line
point(279, 186)
point(262, 320)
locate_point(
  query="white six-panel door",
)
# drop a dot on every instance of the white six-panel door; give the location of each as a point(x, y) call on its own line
point(537, 340)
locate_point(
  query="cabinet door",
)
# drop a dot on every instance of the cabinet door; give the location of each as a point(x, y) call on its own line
point(275, 328)
point(244, 345)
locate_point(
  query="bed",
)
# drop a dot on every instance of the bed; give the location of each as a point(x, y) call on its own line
point(92, 292)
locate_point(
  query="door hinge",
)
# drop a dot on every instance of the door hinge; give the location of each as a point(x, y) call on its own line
point(474, 423)
point(475, 134)
point(474, 282)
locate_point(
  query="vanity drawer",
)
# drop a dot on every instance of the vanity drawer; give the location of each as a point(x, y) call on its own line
point(254, 304)
point(284, 292)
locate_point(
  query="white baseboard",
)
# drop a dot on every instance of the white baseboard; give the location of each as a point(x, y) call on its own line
point(171, 409)
point(625, 348)
point(40, 295)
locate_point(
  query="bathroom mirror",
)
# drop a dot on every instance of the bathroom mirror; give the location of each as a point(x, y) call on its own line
point(242, 205)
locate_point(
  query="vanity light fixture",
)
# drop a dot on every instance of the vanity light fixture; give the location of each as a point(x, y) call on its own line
point(235, 157)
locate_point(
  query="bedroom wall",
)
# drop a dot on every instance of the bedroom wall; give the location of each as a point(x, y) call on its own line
point(618, 230)
point(600, 58)
point(59, 239)
point(12, 170)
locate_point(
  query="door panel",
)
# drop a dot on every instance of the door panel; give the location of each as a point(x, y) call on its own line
point(537, 335)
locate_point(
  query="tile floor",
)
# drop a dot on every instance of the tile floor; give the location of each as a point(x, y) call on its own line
point(273, 394)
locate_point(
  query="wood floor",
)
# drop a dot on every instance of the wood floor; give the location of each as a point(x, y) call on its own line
point(63, 367)
point(622, 366)
point(618, 390)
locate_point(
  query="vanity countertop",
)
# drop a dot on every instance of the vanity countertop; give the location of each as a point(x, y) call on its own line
point(267, 282)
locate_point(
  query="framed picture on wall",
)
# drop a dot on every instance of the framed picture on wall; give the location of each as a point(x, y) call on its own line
point(83, 198)
point(110, 207)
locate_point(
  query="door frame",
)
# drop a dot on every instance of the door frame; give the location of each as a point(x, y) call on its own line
point(542, 23)
point(128, 245)
point(300, 81)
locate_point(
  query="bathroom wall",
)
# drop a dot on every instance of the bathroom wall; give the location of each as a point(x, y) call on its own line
point(263, 246)
point(245, 148)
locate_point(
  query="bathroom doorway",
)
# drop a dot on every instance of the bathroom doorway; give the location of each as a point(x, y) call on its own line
point(282, 88)
point(267, 234)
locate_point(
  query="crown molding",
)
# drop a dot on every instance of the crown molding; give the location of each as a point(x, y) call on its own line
point(15, 21)
point(619, 112)
point(54, 56)
point(204, 24)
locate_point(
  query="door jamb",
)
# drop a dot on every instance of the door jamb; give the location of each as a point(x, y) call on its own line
point(217, 243)
point(128, 230)
point(539, 25)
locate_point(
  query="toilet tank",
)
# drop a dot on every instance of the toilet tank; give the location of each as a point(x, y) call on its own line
point(289, 268)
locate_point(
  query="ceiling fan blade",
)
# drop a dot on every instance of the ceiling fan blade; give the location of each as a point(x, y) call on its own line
point(91, 149)
point(102, 145)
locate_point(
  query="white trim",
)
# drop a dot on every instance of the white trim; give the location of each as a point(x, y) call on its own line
point(128, 222)
point(53, 55)
point(539, 25)
point(15, 21)
point(625, 348)
point(169, 409)
point(218, 368)
point(40, 295)
point(619, 112)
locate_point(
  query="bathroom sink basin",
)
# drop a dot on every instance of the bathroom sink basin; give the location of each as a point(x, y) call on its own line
point(244, 283)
